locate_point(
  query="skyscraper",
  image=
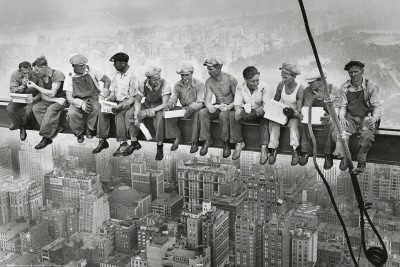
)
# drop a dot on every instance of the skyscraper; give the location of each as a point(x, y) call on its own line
point(6, 167)
point(93, 211)
point(304, 247)
point(147, 181)
point(34, 164)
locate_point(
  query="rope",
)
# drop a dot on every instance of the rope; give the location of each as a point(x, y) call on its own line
point(377, 256)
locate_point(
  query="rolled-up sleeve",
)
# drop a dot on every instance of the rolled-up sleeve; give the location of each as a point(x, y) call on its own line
point(200, 90)
point(166, 90)
point(14, 83)
point(335, 97)
point(133, 86)
point(375, 99)
point(238, 100)
point(343, 96)
point(140, 90)
point(68, 84)
point(174, 96)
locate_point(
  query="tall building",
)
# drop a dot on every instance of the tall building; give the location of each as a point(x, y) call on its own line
point(230, 204)
point(168, 204)
point(276, 238)
point(199, 181)
point(157, 249)
point(9, 231)
point(247, 160)
point(34, 164)
point(127, 202)
point(56, 219)
point(332, 174)
point(245, 242)
point(35, 198)
point(147, 181)
point(183, 257)
point(304, 247)
point(94, 209)
point(66, 187)
point(35, 237)
point(215, 233)
point(125, 237)
point(14, 199)
point(6, 167)
point(194, 227)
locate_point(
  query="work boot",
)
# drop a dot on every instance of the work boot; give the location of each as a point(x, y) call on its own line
point(22, 134)
point(121, 149)
point(361, 166)
point(194, 148)
point(12, 127)
point(272, 156)
point(238, 149)
point(102, 145)
point(264, 154)
point(304, 158)
point(343, 164)
point(328, 162)
point(45, 142)
point(176, 143)
point(295, 157)
point(129, 150)
point(226, 150)
point(206, 145)
point(160, 152)
point(89, 134)
point(80, 138)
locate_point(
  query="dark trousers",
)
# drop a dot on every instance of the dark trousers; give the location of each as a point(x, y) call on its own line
point(172, 130)
point(158, 122)
point(79, 120)
point(19, 113)
point(205, 118)
point(48, 116)
point(103, 125)
point(305, 137)
point(236, 129)
point(366, 136)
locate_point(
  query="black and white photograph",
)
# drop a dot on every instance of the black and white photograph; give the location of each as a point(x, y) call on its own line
point(213, 133)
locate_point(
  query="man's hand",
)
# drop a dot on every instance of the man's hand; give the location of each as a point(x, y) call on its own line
point(249, 116)
point(31, 85)
point(212, 109)
point(111, 98)
point(83, 107)
point(326, 119)
point(329, 99)
point(146, 113)
point(25, 80)
point(124, 105)
point(168, 106)
point(223, 107)
point(371, 123)
point(61, 101)
point(300, 116)
point(343, 123)
point(189, 112)
point(289, 112)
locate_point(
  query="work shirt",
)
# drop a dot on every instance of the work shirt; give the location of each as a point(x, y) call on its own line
point(54, 76)
point(371, 96)
point(259, 97)
point(16, 81)
point(94, 74)
point(124, 85)
point(315, 98)
point(164, 87)
point(194, 93)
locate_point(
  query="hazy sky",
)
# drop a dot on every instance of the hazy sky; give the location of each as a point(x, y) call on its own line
point(24, 16)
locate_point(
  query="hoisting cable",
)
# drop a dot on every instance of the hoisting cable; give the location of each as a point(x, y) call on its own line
point(376, 255)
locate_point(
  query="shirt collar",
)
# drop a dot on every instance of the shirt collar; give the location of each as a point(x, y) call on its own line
point(151, 88)
point(49, 72)
point(128, 71)
point(193, 84)
point(259, 88)
point(348, 84)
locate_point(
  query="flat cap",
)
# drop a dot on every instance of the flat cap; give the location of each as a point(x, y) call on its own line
point(290, 68)
point(354, 63)
point(152, 71)
point(78, 60)
point(185, 68)
point(314, 75)
point(212, 61)
point(120, 57)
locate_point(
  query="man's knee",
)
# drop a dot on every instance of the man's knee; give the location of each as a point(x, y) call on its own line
point(11, 108)
point(224, 115)
point(204, 113)
point(231, 116)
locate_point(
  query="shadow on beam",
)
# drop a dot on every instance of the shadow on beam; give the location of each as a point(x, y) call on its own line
point(385, 150)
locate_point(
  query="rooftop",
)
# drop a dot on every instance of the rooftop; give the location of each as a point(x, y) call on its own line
point(167, 199)
point(127, 196)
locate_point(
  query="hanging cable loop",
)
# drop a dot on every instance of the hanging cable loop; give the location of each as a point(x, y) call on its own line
point(376, 255)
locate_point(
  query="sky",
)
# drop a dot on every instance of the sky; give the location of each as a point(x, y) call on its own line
point(25, 16)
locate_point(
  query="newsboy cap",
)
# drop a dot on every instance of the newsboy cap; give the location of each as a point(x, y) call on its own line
point(290, 68)
point(212, 61)
point(314, 75)
point(78, 60)
point(152, 71)
point(185, 68)
point(120, 57)
point(354, 63)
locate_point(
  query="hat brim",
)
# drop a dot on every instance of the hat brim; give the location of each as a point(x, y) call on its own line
point(184, 72)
